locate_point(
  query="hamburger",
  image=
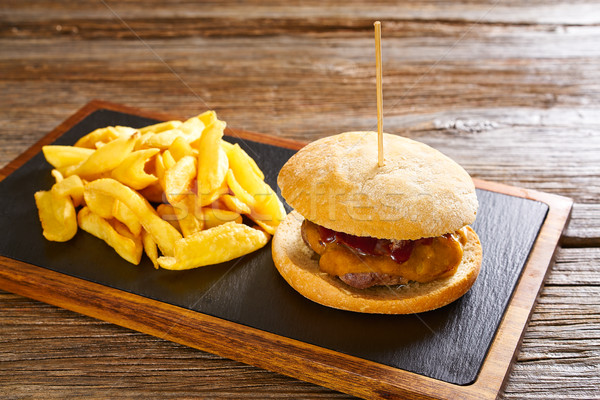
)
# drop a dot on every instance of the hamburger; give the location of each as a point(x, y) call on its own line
point(391, 239)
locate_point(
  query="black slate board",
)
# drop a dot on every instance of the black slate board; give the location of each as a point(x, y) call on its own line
point(448, 344)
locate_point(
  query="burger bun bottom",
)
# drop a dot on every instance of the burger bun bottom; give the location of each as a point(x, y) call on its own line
point(299, 266)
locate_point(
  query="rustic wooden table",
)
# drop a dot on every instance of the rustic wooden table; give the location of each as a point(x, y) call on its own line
point(509, 89)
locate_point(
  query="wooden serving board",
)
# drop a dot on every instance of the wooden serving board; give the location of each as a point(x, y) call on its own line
point(245, 311)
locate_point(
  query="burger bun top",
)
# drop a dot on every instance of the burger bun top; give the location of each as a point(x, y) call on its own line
point(336, 182)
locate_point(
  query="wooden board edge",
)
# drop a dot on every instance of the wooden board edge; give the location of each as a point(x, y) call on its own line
point(381, 381)
point(47, 139)
point(228, 339)
point(509, 336)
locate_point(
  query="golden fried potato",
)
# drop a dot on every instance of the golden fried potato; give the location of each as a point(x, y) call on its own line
point(193, 128)
point(212, 161)
point(202, 186)
point(64, 156)
point(267, 210)
point(214, 216)
point(99, 203)
point(243, 171)
point(160, 127)
point(102, 229)
point(57, 175)
point(234, 204)
point(131, 171)
point(180, 148)
point(161, 231)
point(105, 158)
point(207, 117)
point(154, 193)
point(239, 152)
point(150, 248)
point(179, 178)
point(189, 216)
point(102, 136)
point(215, 245)
point(72, 187)
point(170, 214)
point(137, 239)
point(168, 159)
point(123, 214)
point(190, 131)
point(238, 190)
point(57, 215)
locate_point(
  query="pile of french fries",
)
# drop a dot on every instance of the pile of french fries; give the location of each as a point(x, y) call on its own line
point(175, 190)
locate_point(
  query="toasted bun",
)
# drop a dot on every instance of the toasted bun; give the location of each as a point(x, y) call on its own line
point(335, 182)
point(299, 266)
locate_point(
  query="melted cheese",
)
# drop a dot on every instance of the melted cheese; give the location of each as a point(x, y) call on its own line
point(427, 262)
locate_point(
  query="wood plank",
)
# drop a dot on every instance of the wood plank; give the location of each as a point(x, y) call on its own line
point(560, 347)
point(79, 355)
point(576, 267)
point(481, 11)
point(584, 228)
point(64, 345)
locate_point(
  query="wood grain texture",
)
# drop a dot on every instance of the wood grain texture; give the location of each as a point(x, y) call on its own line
point(509, 89)
point(342, 370)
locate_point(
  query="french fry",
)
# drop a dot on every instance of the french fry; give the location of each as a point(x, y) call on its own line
point(239, 191)
point(107, 207)
point(99, 203)
point(159, 169)
point(102, 229)
point(168, 160)
point(131, 171)
point(104, 135)
point(212, 161)
point(64, 156)
point(137, 239)
point(229, 147)
point(150, 248)
point(161, 231)
point(71, 186)
point(207, 117)
point(170, 214)
point(105, 158)
point(267, 210)
point(207, 199)
point(153, 193)
point(202, 184)
point(234, 204)
point(123, 214)
point(57, 215)
point(57, 175)
point(180, 148)
point(192, 128)
point(189, 218)
point(178, 179)
point(160, 127)
point(215, 245)
point(243, 171)
point(163, 140)
point(214, 217)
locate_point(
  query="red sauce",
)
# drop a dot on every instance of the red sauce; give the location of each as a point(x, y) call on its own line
point(399, 251)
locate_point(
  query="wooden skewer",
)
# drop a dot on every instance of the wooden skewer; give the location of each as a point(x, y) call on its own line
point(379, 94)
